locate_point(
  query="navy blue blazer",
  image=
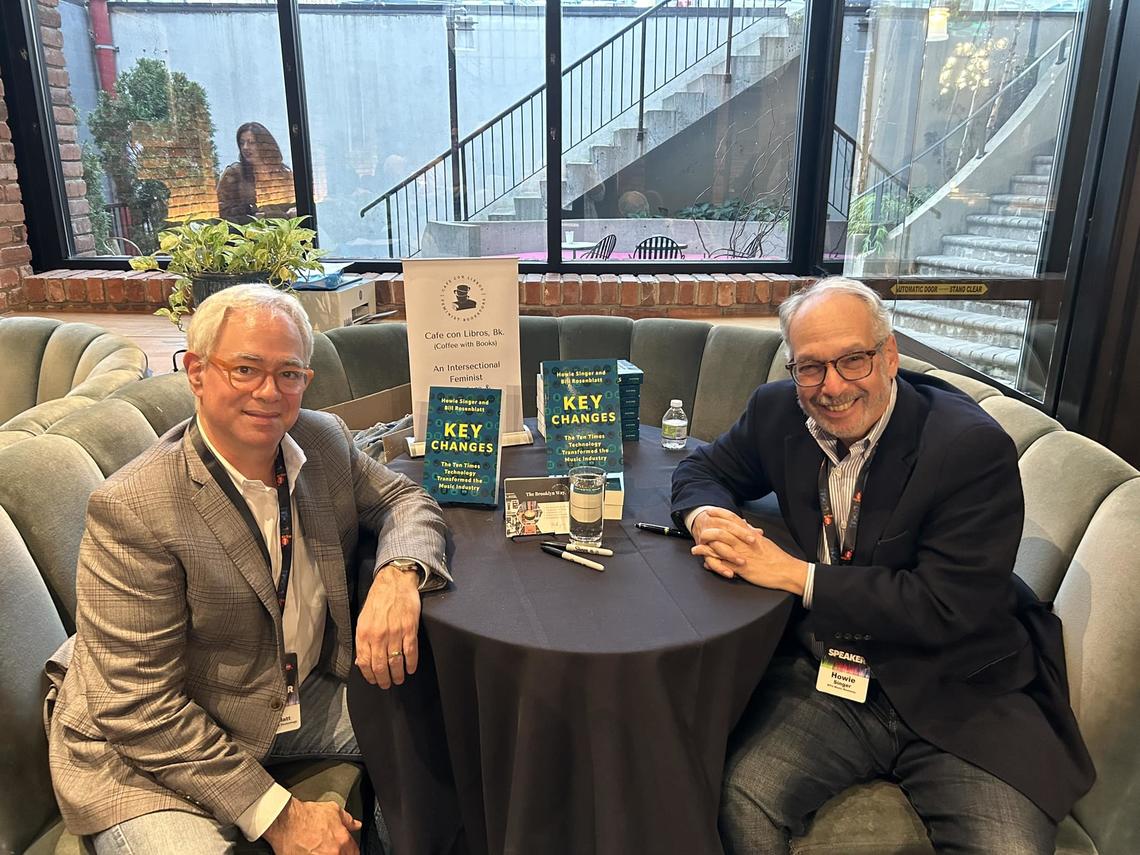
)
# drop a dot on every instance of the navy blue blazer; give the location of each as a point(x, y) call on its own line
point(929, 598)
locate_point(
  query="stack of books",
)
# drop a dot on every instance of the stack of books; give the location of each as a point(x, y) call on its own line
point(629, 387)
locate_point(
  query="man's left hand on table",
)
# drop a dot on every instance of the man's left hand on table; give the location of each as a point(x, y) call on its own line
point(386, 646)
point(731, 547)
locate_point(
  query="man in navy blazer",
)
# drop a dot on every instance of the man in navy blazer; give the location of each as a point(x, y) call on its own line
point(910, 659)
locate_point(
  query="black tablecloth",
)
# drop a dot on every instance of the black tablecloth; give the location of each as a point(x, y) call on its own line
point(579, 711)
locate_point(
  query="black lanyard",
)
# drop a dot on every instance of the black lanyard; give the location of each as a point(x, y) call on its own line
point(284, 505)
point(839, 550)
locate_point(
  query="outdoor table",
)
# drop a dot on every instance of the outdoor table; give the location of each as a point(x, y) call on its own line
point(576, 246)
point(579, 712)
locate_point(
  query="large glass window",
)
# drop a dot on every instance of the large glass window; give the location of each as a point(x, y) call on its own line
point(430, 121)
point(180, 115)
point(950, 162)
point(679, 129)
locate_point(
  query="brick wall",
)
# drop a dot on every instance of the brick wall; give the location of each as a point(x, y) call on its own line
point(14, 253)
point(636, 296)
point(66, 125)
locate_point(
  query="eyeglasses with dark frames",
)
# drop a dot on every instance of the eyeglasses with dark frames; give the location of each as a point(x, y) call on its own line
point(850, 366)
point(246, 378)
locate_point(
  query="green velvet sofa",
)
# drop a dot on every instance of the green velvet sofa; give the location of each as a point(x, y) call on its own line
point(1078, 550)
point(51, 368)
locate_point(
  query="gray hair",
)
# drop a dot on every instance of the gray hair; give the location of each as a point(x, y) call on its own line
point(829, 286)
point(202, 334)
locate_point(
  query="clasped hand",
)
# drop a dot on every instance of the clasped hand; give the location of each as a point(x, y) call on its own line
point(730, 546)
point(313, 828)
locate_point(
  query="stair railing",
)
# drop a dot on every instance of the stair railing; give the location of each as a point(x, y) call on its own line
point(599, 87)
point(890, 196)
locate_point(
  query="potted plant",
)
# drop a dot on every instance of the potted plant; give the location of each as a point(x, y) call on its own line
point(210, 255)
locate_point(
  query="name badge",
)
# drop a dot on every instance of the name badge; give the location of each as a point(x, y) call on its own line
point(845, 675)
point(291, 714)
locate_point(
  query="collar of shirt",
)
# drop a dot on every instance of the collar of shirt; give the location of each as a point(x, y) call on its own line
point(294, 460)
point(862, 447)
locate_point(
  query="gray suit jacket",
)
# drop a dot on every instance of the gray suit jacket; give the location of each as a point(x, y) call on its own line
point(175, 688)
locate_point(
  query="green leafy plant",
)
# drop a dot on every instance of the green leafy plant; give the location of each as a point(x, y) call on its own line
point(280, 250)
point(152, 104)
point(734, 210)
point(97, 201)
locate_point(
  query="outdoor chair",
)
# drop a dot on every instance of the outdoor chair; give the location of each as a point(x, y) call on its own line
point(658, 246)
point(602, 249)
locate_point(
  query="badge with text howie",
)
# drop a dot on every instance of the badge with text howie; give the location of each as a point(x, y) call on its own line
point(844, 675)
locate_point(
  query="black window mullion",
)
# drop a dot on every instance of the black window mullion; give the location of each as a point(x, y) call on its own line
point(819, 67)
point(300, 143)
point(46, 213)
point(554, 134)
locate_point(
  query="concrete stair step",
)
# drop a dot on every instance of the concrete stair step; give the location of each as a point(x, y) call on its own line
point(973, 327)
point(660, 125)
point(1003, 250)
point(942, 265)
point(580, 177)
point(607, 160)
point(529, 206)
point(998, 362)
point(996, 225)
point(1016, 203)
point(1015, 309)
point(501, 217)
point(1029, 185)
point(690, 106)
point(714, 87)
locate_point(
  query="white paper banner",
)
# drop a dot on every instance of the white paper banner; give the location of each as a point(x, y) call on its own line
point(463, 330)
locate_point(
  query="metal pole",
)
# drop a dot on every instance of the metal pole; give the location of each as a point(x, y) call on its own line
point(453, 114)
point(388, 217)
point(728, 52)
point(641, 95)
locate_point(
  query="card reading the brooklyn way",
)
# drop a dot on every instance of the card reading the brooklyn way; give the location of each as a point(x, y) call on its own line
point(462, 450)
point(581, 409)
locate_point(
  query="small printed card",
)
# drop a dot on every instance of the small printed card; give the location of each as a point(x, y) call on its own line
point(581, 414)
point(537, 505)
point(461, 449)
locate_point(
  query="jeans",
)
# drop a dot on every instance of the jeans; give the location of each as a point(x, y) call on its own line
point(325, 733)
point(800, 747)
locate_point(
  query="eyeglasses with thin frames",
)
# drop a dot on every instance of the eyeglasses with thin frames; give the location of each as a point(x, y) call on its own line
point(850, 366)
point(246, 378)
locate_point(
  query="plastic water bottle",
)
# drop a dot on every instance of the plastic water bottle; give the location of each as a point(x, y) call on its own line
point(674, 427)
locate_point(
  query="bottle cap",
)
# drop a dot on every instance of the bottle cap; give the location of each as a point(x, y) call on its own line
point(676, 402)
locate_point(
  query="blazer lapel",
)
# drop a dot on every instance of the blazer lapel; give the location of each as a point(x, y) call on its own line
point(230, 529)
point(891, 467)
point(803, 457)
point(319, 527)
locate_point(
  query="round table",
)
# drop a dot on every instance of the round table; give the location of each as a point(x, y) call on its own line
point(579, 712)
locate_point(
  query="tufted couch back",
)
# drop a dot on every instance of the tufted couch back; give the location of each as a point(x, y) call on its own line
point(49, 368)
point(1078, 549)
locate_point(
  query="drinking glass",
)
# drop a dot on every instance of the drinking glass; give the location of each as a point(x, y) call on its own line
point(587, 504)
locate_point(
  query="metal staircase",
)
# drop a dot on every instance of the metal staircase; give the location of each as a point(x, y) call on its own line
point(632, 92)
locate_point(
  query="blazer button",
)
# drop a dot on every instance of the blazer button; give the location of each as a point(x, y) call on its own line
point(276, 704)
point(838, 636)
point(846, 636)
point(858, 637)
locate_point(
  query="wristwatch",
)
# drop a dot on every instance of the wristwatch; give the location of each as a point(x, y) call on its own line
point(405, 564)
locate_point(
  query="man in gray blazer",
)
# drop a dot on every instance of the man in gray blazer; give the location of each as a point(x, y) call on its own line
point(213, 629)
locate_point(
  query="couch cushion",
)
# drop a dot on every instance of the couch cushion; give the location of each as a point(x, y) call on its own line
point(30, 630)
point(1065, 477)
point(1098, 602)
point(330, 379)
point(1025, 424)
point(876, 819)
point(538, 341)
point(736, 360)
point(594, 337)
point(47, 481)
point(61, 358)
point(976, 389)
point(37, 419)
point(113, 432)
point(374, 357)
point(22, 345)
point(164, 400)
point(107, 353)
point(669, 352)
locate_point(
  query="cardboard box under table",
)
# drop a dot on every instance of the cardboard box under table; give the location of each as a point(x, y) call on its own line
point(387, 405)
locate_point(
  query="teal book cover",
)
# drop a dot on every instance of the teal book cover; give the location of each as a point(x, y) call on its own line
point(462, 447)
point(581, 402)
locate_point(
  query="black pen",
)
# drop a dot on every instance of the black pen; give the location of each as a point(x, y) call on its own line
point(666, 530)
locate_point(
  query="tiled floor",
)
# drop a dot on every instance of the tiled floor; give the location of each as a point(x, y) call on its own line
point(159, 339)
